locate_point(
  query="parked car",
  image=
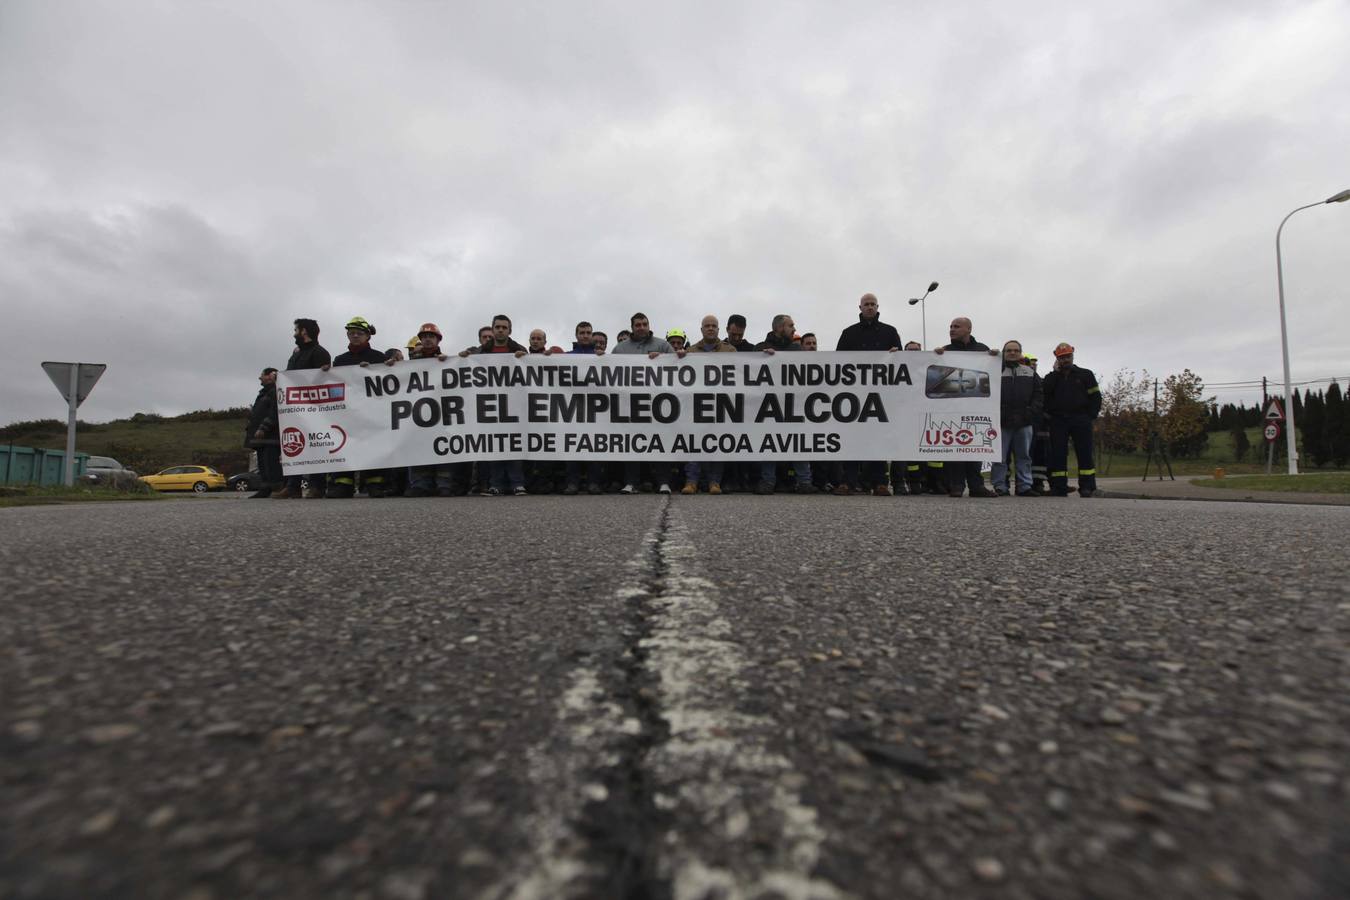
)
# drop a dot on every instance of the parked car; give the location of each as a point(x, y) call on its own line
point(107, 471)
point(198, 479)
point(245, 481)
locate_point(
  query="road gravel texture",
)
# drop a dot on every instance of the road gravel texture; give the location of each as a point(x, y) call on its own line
point(688, 697)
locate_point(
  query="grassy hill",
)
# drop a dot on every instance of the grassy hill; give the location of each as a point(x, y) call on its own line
point(148, 442)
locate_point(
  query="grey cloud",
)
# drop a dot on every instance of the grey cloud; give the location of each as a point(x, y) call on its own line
point(186, 179)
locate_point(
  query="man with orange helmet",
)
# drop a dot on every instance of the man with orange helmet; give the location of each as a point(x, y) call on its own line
point(1072, 403)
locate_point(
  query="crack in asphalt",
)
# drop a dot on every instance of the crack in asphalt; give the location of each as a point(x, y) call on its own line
point(624, 830)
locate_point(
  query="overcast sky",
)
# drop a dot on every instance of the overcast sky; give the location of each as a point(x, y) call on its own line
point(178, 181)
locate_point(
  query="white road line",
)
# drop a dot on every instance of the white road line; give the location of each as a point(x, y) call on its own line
point(715, 775)
point(716, 772)
point(562, 769)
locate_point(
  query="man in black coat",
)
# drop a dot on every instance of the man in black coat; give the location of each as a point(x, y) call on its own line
point(1072, 403)
point(963, 473)
point(262, 436)
point(359, 353)
point(869, 333)
point(308, 354)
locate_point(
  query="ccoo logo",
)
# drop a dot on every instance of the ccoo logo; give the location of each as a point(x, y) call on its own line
point(292, 441)
point(317, 393)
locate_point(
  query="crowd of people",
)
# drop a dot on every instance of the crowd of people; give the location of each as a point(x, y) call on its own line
point(1040, 416)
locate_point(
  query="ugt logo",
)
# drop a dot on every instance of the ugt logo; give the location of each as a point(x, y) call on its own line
point(292, 441)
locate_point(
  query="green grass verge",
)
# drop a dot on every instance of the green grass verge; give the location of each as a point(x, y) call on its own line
point(44, 496)
point(1308, 483)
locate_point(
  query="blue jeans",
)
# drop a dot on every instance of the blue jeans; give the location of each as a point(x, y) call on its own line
point(693, 470)
point(768, 472)
point(1017, 442)
point(499, 473)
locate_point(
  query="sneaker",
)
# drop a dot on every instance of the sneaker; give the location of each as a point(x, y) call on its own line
point(1030, 492)
point(627, 489)
point(310, 493)
point(982, 492)
point(1001, 493)
point(764, 487)
point(881, 490)
point(570, 490)
point(690, 488)
point(841, 490)
point(665, 488)
point(521, 492)
point(594, 489)
point(340, 492)
point(714, 488)
point(261, 495)
point(956, 492)
point(1086, 492)
point(807, 488)
point(283, 494)
point(376, 491)
point(492, 492)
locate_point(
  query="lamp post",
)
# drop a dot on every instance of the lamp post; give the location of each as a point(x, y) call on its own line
point(924, 309)
point(1291, 445)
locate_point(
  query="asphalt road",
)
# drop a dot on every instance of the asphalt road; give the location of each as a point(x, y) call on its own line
point(702, 697)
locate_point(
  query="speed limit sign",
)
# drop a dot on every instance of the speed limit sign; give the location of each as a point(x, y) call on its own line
point(1272, 432)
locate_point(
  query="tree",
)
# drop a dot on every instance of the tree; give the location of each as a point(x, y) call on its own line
point(1241, 443)
point(1336, 434)
point(1127, 400)
point(1181, 408)
point(1310, 423)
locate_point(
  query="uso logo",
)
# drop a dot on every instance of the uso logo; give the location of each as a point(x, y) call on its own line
point(292, 441)
point(318, 393)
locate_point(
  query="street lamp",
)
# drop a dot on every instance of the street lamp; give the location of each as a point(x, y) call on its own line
point(1290, 444)
point(932, 287)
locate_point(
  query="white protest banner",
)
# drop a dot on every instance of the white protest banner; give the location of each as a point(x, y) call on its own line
point(784, 406)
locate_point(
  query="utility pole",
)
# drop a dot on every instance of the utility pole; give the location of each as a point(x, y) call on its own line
point(1156, 450)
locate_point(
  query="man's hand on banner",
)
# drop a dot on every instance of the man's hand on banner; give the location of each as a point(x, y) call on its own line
point(769, 350)
point(325, 367)
point(654, 354)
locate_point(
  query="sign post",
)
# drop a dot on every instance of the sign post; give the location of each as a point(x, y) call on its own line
point(1274, 419)
point(74, 381)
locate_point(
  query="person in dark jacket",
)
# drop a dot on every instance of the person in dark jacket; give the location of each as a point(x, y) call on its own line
point(736, 333)
point(308, 354)
point(1072, 403)
point(964, 473)
point(504, 476)
point(780, 341)
point(262, 435)
point(583, 345)
point(868, 333)
point(1040, 441)
point(359, 353)
point(1020, 406)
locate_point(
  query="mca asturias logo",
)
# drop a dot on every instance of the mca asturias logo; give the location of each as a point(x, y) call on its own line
point(316, 394)
point(294, 441)
point(968, 432)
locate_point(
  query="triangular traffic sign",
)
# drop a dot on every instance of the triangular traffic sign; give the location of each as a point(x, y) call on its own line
point(86, 376)
point(1274, 412)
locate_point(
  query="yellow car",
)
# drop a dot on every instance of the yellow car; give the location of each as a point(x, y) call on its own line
point(198, 479)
